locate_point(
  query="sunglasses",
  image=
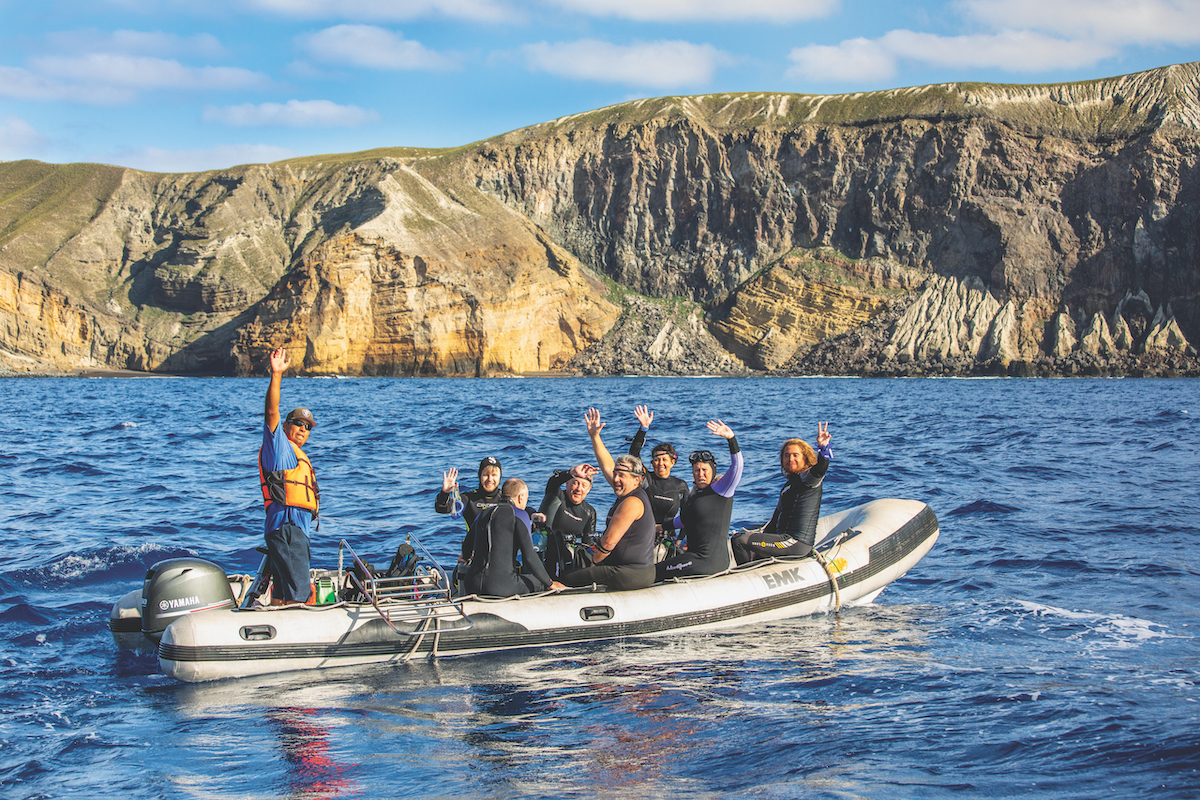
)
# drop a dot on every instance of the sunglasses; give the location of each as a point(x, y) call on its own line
point(626, 469)
point(701, 455)
point(307, 425)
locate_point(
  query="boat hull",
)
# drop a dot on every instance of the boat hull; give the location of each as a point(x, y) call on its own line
point(875, 544)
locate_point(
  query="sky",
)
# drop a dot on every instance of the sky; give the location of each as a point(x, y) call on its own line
point(174, 86)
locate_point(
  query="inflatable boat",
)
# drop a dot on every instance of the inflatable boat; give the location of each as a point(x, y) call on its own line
point(209, 628)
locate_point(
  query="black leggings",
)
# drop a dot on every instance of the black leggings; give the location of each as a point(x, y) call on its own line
point(754, 546)
point(618, 579)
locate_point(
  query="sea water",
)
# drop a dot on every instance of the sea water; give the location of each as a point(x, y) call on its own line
point(1046, 646)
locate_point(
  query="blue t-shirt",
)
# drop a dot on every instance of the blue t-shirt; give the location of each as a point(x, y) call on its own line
point(277, 454)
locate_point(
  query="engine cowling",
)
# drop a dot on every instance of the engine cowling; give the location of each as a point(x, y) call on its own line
point(180, 586)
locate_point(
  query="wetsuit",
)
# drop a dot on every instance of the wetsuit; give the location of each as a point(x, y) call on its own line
point(666, 494)
point(564, 520)
point(498, 533)
point(630, 565)
point(793, 527)
point(704, 519)
point(475, 502)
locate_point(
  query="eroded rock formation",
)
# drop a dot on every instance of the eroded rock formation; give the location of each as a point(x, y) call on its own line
point(951, 228)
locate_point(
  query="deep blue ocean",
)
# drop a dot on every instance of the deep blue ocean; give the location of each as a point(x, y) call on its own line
point(1046, 647)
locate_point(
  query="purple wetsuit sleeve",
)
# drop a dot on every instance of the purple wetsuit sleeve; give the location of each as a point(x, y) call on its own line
point(727, 483)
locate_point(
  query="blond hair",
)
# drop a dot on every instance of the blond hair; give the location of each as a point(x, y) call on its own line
point(810, 455)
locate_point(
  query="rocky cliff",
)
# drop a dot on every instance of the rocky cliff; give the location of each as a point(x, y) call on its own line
point(361, 267)
point(944, 229)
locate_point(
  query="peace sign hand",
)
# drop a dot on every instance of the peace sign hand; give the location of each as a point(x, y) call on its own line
point(823, 436)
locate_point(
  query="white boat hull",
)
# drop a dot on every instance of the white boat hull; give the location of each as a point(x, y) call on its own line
point(879, 542)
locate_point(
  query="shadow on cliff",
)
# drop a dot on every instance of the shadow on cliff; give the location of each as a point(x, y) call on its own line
point(216, 352)
point(1152, 252)
point(213, 353)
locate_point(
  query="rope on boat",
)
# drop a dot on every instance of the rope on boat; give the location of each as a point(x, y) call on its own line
point(825, 565)
point(418, 635)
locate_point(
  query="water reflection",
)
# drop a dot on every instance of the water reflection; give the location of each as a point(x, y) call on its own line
point(312, 770)
point(629, 716)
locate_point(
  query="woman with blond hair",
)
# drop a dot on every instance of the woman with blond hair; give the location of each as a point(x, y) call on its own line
point(793, 527)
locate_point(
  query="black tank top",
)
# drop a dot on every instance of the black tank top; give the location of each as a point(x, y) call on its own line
point(636, 548)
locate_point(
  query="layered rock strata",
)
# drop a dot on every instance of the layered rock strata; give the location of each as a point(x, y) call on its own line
point(957, 327)
point(957, 227)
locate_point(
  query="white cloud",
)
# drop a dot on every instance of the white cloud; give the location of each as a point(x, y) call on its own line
point(19, 139)
point(679, 10)
point(21, 84)
point(135, 43)
point(293, 113)
point(374, 48)
point(471, 10)
point(1114, 21)
point(659, 65)
point(1015, 51)
point(870, 60)
point(860, 61)
point(154, 159)
point(144, 72)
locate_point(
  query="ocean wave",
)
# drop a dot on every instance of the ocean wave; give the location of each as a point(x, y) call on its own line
point(982, 507)
point(1099, 631)
point(120, 562)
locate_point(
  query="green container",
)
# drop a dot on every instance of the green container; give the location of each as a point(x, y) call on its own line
point(325, 592)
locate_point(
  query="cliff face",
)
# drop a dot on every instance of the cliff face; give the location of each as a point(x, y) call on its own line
point(1070, 195)
point(941, 227)
point(359, 268)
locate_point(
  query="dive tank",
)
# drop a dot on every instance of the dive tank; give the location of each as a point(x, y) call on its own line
point(180, 586)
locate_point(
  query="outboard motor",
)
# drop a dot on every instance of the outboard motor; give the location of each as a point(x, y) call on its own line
point(181, 586)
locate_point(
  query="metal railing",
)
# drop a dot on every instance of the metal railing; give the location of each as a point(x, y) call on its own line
point(422, 598)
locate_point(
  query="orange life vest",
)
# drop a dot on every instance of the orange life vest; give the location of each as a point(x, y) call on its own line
point(296, 487)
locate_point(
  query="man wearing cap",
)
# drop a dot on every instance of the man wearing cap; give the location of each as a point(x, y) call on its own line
point(289, 489)
point(476, 501)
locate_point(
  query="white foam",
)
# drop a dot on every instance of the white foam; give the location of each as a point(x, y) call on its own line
point(1117, 631)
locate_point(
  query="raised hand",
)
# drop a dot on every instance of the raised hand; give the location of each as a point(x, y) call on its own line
point(594, 425)
point(720, 428)
point(585, 471)
point(823, 436)
point(644, 415)
point(449, 480)
point(279, 361)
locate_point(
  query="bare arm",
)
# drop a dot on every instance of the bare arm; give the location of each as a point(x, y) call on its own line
point(594, 426)
point(630, 510)
point(279, 365)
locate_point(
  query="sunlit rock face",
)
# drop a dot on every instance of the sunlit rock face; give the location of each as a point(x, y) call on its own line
point(937, 228)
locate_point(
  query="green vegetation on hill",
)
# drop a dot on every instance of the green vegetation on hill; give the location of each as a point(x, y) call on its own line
point(55, 198)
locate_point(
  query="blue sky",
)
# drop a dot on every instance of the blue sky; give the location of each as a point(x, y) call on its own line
point(175, 86)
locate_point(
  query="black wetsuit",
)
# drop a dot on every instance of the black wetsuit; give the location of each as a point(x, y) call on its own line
point(475, 502)
point(564, 521)
point(630, 565)
point(704, 520)
point(498, 533)
point(666, 494)
point(793, 527)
